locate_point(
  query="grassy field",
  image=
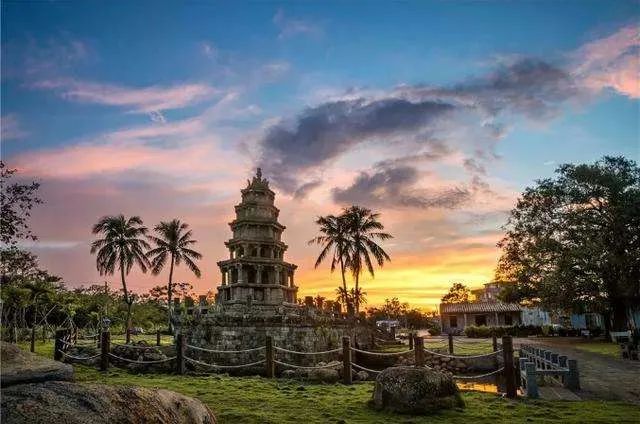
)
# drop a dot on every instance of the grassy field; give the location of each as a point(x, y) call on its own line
point(259, 400)
point(601, 347)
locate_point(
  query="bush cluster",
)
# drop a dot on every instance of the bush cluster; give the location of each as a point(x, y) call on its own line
point(513, 330)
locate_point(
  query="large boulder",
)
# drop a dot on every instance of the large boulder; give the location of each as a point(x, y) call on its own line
point(411, 390)
point(19, 367)
point(73, 403)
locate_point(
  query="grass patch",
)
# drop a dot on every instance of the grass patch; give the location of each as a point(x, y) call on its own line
point(260, 400)
point(601, 347)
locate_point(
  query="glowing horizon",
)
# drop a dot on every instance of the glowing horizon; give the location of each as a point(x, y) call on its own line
point(436, 115)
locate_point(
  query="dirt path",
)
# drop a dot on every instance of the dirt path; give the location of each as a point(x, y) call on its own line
point(601, 376)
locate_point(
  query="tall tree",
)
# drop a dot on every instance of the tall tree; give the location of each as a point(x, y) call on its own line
point(334, 240)
point(458, 293)
point(573, 241)
point(16, 202)
point(364, 230)
point(172, 243)
point(122, 246)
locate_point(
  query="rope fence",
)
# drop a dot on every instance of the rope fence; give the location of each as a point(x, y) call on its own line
point(295, 352)
point(315, 367)
point(474, 377)
point(255, 349)
point(367, 352)
point(269, 360)
point(195, 361)
point(132, 361)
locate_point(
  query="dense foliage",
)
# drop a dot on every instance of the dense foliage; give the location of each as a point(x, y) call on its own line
point(573, 242)
point(458, 293)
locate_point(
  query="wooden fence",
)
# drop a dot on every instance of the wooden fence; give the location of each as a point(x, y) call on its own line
point(269, 357)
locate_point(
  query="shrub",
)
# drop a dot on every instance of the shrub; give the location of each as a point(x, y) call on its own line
point(514, 330)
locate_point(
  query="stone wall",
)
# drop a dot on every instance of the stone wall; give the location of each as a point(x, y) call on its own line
point(304, 334)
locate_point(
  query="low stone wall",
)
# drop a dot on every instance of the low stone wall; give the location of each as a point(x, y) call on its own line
point(303, 334)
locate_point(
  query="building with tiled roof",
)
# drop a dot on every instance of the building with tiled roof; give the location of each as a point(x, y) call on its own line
point(487, 311)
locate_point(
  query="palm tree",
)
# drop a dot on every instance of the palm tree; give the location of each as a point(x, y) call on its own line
point(363, 230)
point(333, 238)
point(173, 241)
point(123, 246)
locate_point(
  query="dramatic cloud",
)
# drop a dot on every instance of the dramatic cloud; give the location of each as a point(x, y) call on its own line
point(324, 132)
point(290, 27)
point(528, 87)
point(395, 188)
point(11, 129)
point(153, 100)
point(611, 62)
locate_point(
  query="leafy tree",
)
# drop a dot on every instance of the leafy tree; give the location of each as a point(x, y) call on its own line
point(393, 308)
point(173, 244)
point(573, 242)
point(364, 229)
point(16, 202)
point(334, 240)
point(458, 293)
point(121, 247)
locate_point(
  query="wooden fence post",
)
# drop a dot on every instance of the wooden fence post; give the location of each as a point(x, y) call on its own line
point(181, 347)
point(419, 351)
point(346, 360)
point(33, 339)
point(573, 379)
point(532, 382)
point(270, 371)
point(411, 336)
point(158, 337)
point(509, 374)
point(393, 333)
point(105, 347)
point(450, 344)
point(57, 349)
point(127, 335)
point(494, 342)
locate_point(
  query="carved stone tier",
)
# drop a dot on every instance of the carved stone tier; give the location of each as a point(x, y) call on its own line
point(256, 273)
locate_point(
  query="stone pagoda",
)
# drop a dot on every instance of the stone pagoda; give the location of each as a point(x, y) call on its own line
point(256, 274)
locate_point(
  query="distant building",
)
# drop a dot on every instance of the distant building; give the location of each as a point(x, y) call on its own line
point(535, 316)
point(489, 293)
point(457, 316)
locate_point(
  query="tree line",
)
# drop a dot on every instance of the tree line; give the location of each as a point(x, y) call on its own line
point(572, 243)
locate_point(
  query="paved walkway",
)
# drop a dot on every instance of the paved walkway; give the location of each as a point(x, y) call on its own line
point(601, 376)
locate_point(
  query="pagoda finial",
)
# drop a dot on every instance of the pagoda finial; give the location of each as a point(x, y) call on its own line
point(259, 174)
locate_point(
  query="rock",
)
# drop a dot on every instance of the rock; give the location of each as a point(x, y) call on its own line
point(361, 376)
point(74, 403)
point(19, 367)
point(326, 375)
point(411, 390)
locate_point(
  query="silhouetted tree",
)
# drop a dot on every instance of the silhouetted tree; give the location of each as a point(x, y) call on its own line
point(458, 293)
point(173, 244)
point(122, 246)
point(573, 241)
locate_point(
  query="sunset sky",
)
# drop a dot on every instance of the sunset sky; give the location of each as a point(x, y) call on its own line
point(436, 114)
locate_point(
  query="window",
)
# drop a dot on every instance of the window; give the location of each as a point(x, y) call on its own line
point(481, 320)
point(453, 321)
point(508, 319)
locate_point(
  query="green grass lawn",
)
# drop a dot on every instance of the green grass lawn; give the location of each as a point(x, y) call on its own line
point(261, 400)
point(601, 347)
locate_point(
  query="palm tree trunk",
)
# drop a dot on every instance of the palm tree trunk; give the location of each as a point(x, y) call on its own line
point(357, 296)
point(126, 300)
point(344, 282)
point(169, 295)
